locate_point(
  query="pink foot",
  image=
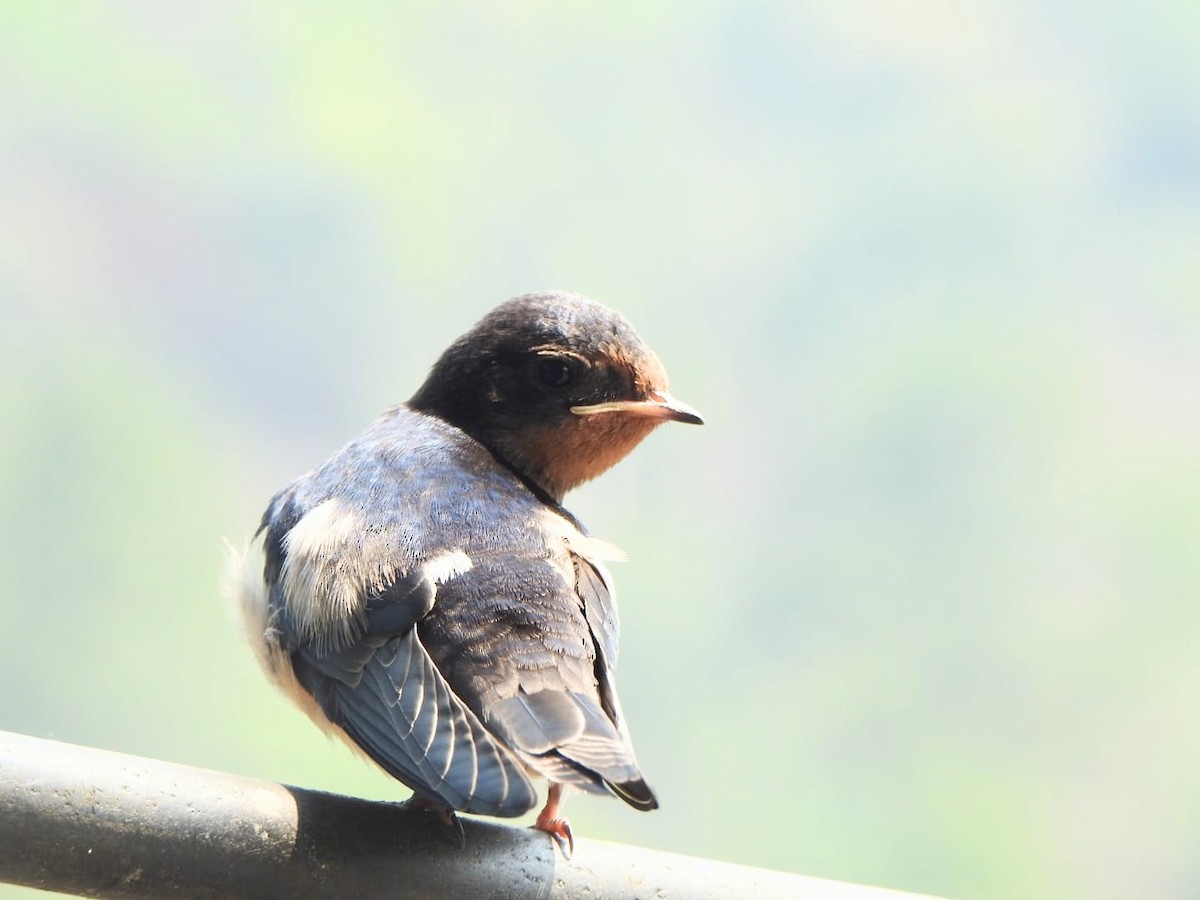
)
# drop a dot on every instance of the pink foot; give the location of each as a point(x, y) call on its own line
point(553, 824)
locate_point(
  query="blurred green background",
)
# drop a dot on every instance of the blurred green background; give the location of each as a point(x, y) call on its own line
point(918, 607)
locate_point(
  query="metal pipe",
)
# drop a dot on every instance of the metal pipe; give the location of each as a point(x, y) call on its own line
point(104, 824)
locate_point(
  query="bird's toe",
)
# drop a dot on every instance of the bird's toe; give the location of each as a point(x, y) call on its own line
point(560, 830)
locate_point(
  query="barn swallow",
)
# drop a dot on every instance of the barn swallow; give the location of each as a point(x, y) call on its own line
point(424, 595)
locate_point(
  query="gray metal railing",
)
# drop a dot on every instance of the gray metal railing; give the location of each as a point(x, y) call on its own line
point(103, 824)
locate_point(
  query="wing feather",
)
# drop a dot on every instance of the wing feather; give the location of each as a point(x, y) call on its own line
point(406, 718)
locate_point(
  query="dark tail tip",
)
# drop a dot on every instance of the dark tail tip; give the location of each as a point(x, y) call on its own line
point(636, 793)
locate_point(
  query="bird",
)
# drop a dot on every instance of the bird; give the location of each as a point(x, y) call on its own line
point(424, 595)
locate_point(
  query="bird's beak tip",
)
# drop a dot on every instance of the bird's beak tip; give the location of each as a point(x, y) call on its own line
point(677, 410)
point(658, 405)
point(687, 417)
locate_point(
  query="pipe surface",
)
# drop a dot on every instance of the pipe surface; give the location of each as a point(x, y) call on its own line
point(104, 824)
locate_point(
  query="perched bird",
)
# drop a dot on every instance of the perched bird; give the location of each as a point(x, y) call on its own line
point(424, 595)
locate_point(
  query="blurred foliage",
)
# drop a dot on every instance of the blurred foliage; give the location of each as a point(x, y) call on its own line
point(918, 607)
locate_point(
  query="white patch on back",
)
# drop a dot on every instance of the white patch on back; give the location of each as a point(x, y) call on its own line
point(326, 574)
point(448, 564)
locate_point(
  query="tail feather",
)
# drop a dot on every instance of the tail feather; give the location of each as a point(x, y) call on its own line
point(636, 793)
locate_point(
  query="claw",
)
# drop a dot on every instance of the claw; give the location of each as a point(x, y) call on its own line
point(553, 824)
point(560, 831)
point(453, 827)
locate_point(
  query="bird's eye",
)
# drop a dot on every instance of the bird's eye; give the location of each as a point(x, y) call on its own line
point(555, 372)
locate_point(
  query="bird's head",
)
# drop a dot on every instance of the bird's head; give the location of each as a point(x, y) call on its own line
point(558, 386)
